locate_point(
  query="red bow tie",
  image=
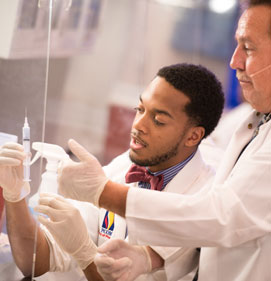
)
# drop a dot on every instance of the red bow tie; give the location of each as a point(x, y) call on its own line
point(137, 173)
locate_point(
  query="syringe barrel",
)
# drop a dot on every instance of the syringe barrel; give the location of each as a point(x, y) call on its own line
point(26, 145)
point(26, 134)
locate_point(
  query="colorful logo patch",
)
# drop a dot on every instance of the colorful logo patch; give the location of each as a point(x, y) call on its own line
point(108, 225)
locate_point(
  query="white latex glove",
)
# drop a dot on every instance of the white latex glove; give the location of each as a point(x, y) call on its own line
point(84, 180)
point(119, 261)
point(67, 227)
point(11, 172)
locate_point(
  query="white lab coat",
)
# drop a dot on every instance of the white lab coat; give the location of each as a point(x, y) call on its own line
point(232, 222)
point(194, 175)
point(213, 147)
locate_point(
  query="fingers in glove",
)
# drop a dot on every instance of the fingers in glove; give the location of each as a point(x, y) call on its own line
point(121, 265)
point(103, 261)
point(47, 211)
point(51, 196)
point(62, 164)
point(120, 270)
point(55, 201)
point(50, 225)
point(126, 276)
point(14, 146)
point(47, 194)
point(57, 208)
point(9, 161)
point(111, 246)
point(116, 276)
point(79, 151)
point(44, 221)
point(52, 208)
point(112, 268)
point(11, 157)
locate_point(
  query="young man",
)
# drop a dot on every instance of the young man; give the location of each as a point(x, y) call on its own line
point(231, 222)
point(180, 107)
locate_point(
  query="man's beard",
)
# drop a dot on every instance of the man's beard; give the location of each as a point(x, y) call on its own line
point(157, 159)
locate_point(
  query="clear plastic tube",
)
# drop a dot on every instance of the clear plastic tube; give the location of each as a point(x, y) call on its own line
point(260, 71)
point(26, 145)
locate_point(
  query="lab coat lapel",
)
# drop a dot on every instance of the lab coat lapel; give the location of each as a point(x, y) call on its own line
point(238, 141)
point(182, 182)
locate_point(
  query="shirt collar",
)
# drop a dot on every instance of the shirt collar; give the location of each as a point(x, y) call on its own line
point(171, 172)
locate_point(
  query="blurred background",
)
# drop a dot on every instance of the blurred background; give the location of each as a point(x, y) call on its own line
point(78, 66)
point(102, 54)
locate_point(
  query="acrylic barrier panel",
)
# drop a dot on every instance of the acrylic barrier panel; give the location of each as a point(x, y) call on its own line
point(22, 93)
point(30, 71)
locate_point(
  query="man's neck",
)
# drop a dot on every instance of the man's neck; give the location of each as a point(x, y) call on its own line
point(172, 164)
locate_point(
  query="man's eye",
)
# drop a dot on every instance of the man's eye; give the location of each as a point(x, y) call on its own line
point(247, 49)
point(138, 109)
point(158, 123)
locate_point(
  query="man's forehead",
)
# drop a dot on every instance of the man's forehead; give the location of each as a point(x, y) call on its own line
point(254, 21)
point(162, 97)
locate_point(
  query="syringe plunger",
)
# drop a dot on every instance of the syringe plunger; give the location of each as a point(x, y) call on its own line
point(26, 145)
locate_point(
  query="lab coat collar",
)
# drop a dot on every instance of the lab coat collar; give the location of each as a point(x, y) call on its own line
point(183, 181)
point(240, 138)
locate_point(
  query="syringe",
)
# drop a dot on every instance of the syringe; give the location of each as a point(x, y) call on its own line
point(26, 145)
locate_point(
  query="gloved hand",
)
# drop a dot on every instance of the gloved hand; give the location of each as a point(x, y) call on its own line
point(84, 180)
point(119, 261)
point(11, 172)
point(67, 227)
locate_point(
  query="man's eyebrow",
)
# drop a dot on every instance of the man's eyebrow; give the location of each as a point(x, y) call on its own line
point(159, 111)
point(243, 39)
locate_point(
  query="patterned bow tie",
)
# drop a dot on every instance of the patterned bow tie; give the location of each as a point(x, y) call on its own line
point(137, 173)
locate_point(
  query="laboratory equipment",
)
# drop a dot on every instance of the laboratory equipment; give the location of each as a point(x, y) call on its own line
point(53, 154)
point(26, 145)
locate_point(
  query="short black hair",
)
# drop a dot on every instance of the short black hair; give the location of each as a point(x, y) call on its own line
point(202, 88)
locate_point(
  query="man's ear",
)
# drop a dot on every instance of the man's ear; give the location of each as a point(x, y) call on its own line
point(194, 136)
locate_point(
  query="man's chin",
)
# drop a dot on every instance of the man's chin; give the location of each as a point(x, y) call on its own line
point(133, 155)
point(136, 160)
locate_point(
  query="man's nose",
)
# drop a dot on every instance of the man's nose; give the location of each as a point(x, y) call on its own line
point(238, 59)
point(140, 123)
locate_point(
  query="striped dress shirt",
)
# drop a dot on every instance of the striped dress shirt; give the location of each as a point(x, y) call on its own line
point(168, 174)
